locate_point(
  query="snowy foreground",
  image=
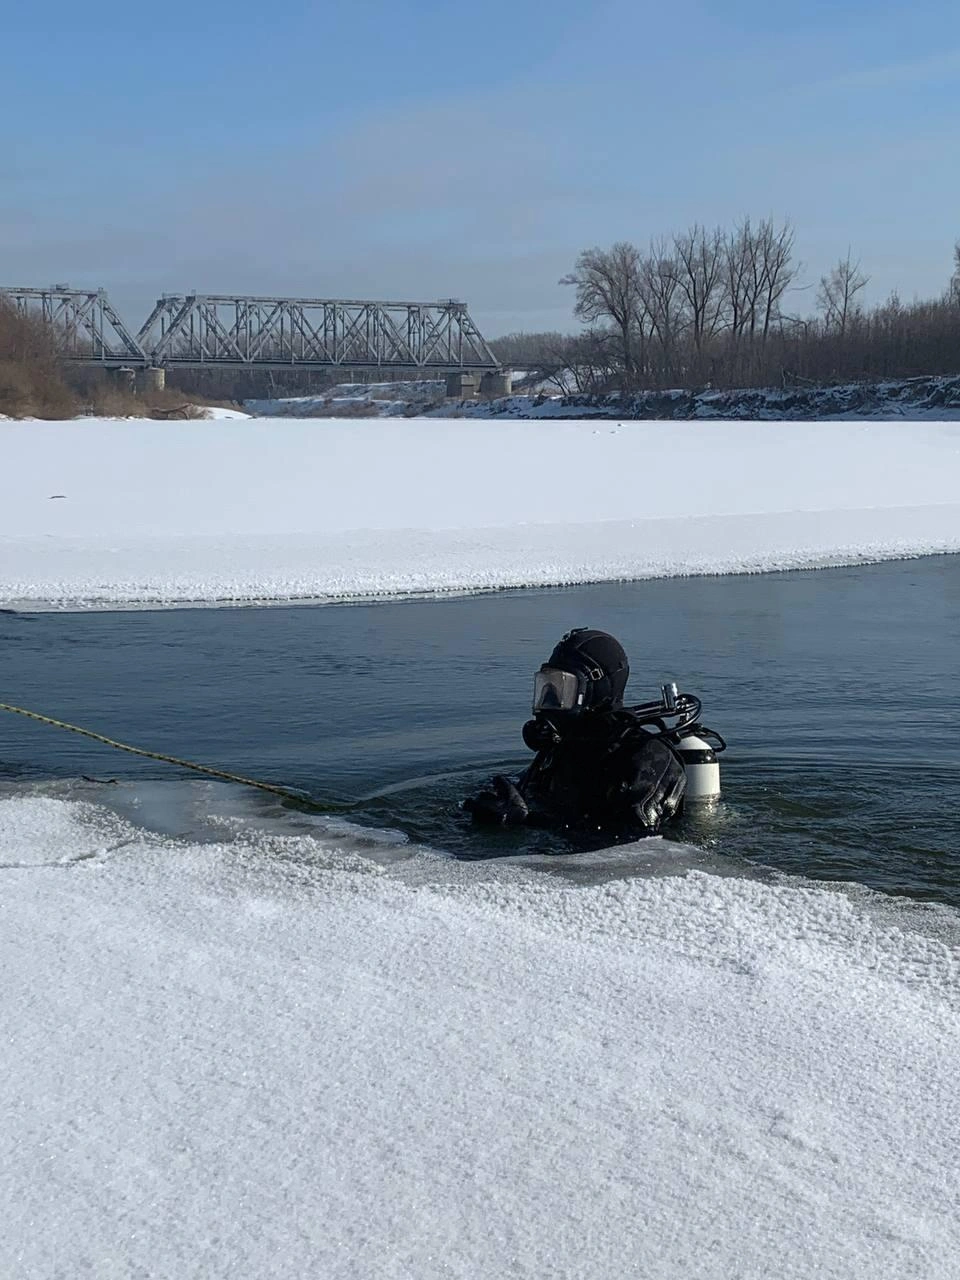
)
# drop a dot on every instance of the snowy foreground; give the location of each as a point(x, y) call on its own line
point(296, 1056)
point(276, 1056)
point(100, 513)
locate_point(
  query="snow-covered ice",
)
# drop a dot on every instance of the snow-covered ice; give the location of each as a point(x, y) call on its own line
point(101, 512)
point(291, 1055)
point(278, 1056)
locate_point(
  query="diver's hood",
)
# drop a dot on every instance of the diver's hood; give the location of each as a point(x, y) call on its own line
point(587, 669)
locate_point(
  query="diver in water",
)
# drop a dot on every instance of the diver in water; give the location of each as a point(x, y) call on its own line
point(597, 768)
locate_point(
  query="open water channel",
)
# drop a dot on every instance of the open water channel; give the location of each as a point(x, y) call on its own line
point(837, 690)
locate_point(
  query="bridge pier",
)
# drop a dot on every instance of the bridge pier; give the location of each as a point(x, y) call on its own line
point(125, 378)
point(466, 386)
point(462, 386)
point(497, 384)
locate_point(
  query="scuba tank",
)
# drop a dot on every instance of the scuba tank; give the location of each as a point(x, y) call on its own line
point(701, 766)
point(696, 745)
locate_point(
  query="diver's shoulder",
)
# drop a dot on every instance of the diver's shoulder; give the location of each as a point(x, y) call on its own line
point(627, 721)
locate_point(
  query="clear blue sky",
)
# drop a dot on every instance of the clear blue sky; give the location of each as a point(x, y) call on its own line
point(423, 150)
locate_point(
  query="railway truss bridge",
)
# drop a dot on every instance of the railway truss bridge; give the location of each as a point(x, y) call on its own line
point(216, 331)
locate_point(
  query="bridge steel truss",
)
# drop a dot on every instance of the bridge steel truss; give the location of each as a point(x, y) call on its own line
point(88, 328)
point(198, 331)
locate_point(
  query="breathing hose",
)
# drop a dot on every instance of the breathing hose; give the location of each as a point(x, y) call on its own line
point(288, 794)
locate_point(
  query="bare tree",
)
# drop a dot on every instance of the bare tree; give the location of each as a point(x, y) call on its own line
point(593, 360)
point(740, 270)
point(535, 352)
point(759, 269)
point(608, 291)
point(776, 270)
point(663, 303)
point(701, 278)
point(837, 293)
point(954, 293)
point(564, 361)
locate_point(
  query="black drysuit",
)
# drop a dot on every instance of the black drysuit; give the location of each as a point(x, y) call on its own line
point(594, 771)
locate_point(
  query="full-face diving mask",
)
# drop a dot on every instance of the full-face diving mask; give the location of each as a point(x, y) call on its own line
point(557, 690)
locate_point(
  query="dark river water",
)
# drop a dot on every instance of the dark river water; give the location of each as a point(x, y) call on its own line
point(838, 692)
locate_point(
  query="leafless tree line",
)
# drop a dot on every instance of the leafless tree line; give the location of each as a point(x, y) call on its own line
point(710, 308)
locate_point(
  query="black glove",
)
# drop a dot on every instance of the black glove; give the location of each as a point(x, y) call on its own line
point(501, 806)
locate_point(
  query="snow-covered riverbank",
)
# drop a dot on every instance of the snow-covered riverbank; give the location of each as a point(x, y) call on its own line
point(101, 513)
point(278, 1057)
point(904, 399)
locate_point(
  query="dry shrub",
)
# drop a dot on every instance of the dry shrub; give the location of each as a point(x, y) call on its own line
point(106, 399)
point(31, 378)
point(104, 396)
point(176, 412)
point(16, 389)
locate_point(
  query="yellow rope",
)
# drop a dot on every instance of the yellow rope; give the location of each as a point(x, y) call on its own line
point(158, 755)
